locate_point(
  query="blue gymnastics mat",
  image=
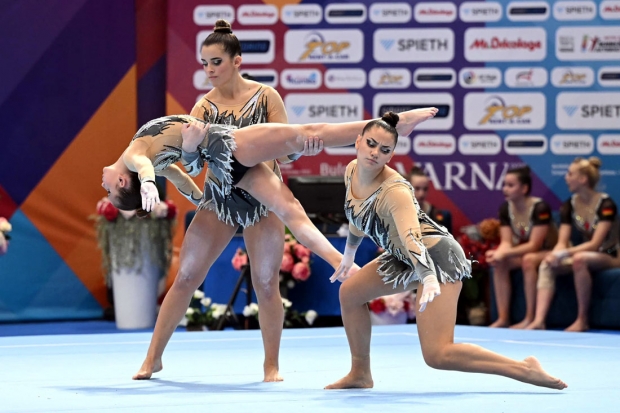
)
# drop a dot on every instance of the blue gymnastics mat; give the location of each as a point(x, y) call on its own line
point(222, 372)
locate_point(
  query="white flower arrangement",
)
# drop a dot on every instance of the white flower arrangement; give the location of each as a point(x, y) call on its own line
point(292, 318)
point(202, 312)
point(250, 310)
point(310, 316)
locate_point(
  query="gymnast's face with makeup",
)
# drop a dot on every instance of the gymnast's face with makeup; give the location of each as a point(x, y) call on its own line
point(375, 148)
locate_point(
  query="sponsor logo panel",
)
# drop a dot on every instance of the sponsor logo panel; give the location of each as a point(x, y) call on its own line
point(523, 77)
point(608, 144)
point(480, 77)
point(413, 45)
point(480, 11)
point(389, 78)
point(324, 46)
point(609, 76)
point(588, 110)
point(574, 10)
point(480, 144)
point(318, 107)
point(208, 15)
point(516, 144)
point(345, 13)
point(505, 44)
point(610, 9)
point(573, 76)
point(434, 144)
point(301, 14)
point(345, 78)
point(403, 145)
point(587, 43)
point(435, 12)
point(504, 111)
point(390, 13)
point(257, 14)
point(521, 11)
point(581, 144)
point(268, 77)
point(399, 102)
point(301, 78)
point(434, 78)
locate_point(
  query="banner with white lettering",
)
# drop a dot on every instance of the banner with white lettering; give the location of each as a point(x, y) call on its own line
point(532, 82)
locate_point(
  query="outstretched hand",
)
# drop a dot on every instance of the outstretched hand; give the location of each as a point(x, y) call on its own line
point(430, 290)
point(150, 195)
point(193, 134)
point(344, 272)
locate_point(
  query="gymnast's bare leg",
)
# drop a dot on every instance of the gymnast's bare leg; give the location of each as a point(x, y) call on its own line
point(198, 253)
point(258, 143)
point(265, 186)
point(266, 258)
point(436, 332)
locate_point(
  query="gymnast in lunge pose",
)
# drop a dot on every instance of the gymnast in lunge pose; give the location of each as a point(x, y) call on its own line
point(419, 254)
point(159, 144)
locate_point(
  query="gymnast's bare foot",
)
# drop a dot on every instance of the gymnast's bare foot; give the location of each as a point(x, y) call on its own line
point(272, 374)
point(147, 369)
point(535, 325)
point(578, 326)
point(499, 323)
point(351, 381)
point(412, 118)
point(539, 377)
point(521, 325)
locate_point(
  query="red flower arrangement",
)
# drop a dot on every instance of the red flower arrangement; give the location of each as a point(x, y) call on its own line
point(295, 265)
point(5, 228)
point(295, 262)
point(476, 240)
point(240, 259)
point(394, 304)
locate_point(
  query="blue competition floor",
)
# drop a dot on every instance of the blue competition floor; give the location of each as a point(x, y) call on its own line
point(221, 372)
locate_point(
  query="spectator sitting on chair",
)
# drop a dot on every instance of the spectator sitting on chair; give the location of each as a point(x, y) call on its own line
point(593, 214)
point(527, 234)
point(420, 182)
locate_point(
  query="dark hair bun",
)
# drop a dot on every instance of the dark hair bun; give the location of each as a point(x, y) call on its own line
point(222, 26)
point(390, 118)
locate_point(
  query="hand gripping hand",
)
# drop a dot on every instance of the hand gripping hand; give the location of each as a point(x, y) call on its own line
point(430, 289)
point(150, 195)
